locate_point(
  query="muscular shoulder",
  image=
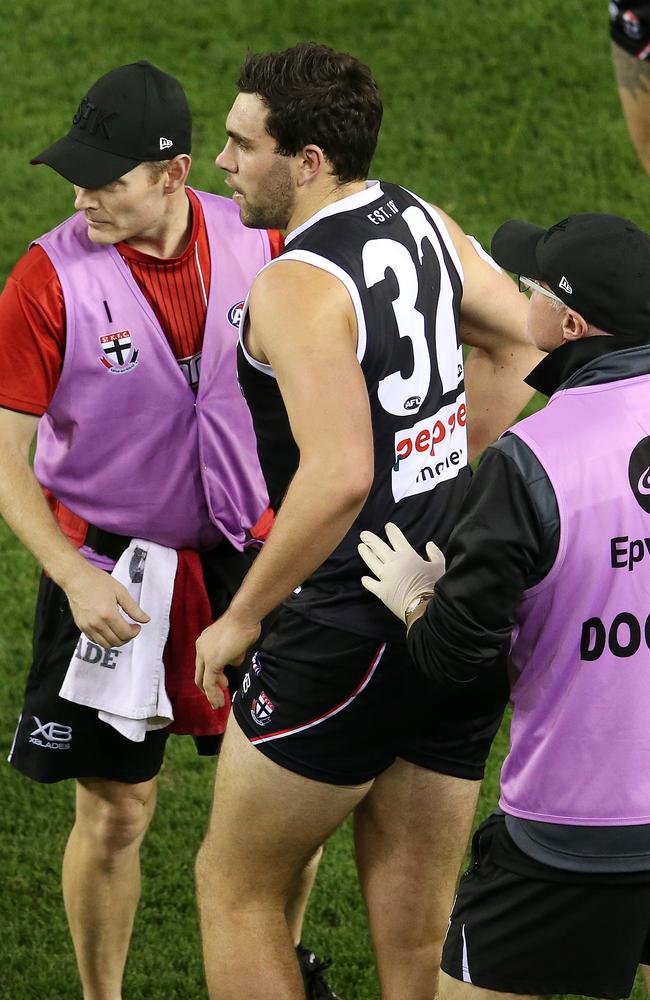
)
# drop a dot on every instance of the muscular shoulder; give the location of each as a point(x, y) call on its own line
point(293, 286)
point(292, 305)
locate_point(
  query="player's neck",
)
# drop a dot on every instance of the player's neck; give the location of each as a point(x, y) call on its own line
point(314, 200)
point(170, 236)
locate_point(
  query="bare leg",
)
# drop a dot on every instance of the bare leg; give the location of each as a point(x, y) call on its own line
point(266, 825)
point(633, 79)
point(299, 896)
point(411, 831)
point(101, 878)
point(453, 989)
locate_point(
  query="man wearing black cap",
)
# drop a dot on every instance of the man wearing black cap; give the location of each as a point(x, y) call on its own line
point(552, 556)
point(111, 317)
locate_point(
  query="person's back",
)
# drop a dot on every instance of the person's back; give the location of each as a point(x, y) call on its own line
point(397, 260)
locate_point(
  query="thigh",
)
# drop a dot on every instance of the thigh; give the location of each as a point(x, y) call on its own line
point(267, 821)
point(321, 702)
point(411, 832)
point(540, 931)
point(57, 739)
point(454, 989)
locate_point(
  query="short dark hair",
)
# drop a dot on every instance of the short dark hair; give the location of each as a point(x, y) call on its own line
point(314, 94)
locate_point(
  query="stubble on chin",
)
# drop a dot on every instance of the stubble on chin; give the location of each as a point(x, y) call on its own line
point(275, 208)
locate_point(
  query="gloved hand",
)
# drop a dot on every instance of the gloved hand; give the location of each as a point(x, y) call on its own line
point(402, 574)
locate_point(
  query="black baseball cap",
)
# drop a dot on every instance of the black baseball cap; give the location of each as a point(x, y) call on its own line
point(133, 114)
point(597, 264)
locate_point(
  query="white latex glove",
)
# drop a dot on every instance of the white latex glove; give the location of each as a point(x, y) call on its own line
point(402, 575)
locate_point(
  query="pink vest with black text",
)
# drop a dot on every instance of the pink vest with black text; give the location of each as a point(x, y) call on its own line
point(125, 443)
point(580, 734)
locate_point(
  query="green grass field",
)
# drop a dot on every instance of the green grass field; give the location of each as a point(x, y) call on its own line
point(493, 110)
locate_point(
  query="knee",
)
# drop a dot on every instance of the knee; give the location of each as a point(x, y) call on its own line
point(115, 822)
point(238, 888)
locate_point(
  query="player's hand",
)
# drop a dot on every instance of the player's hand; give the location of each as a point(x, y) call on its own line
point(401, 574)
point(223, 643)
point(97, 601)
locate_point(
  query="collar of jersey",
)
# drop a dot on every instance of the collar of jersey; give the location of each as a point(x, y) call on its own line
point(372, 192)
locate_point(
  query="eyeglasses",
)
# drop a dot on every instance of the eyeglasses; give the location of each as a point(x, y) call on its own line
point(527, 284)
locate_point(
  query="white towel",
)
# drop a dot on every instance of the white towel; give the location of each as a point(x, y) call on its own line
point(127, 683)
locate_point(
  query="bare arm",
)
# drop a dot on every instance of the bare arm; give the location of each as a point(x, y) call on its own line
point(493, 323)
point(94, 596)
point(633, 79)
point(303, 324)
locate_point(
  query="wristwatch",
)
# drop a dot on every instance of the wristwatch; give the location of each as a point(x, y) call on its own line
point(412, 607)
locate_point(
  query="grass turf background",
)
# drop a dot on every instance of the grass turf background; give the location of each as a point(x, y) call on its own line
point(491, 111)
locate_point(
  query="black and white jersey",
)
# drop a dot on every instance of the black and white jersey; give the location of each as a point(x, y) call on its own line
point(396, 259)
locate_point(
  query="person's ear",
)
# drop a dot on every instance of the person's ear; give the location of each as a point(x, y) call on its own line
point(177, 172)
point(574, 326)
point(311, 161)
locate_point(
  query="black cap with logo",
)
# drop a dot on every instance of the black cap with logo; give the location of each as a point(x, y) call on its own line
point(597, 264)
point(133, 114)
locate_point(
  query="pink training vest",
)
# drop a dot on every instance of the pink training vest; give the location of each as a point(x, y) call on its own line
point(125, 444)
point(580, 735)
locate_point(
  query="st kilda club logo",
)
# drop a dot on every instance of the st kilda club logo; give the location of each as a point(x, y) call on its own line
point(639, 473)
point(119, 355)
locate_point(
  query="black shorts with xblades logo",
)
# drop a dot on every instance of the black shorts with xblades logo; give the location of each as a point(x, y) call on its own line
point(341, 708)
point(57, 739)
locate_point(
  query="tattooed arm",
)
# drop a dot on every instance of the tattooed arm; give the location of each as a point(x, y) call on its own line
point(633, 78)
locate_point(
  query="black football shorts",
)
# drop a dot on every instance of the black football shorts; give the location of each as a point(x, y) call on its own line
point(341, 708)
point(57, 739)
point(519, 926)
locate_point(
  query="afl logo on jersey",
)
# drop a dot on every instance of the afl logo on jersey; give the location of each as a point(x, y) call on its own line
point(234, 314)
point(412, 403)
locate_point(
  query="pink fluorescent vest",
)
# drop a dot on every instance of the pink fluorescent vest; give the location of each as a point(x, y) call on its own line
point(125, 444)
point(580, 735)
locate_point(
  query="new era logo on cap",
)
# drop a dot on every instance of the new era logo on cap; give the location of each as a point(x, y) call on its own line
point(165, 143)
point(565, 286)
